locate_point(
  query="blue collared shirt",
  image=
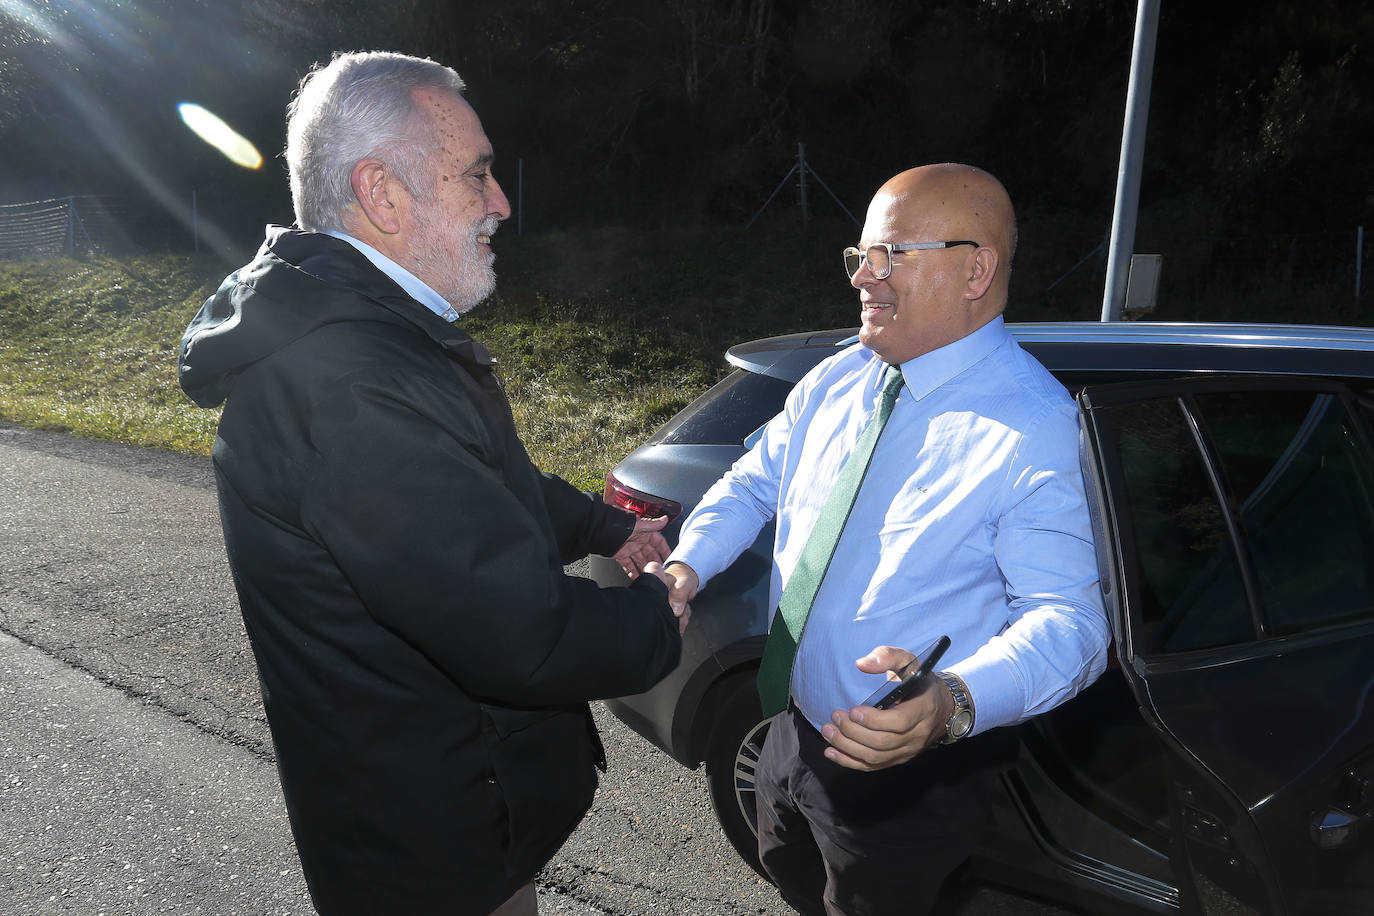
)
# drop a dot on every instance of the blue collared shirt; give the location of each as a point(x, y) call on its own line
point(419, 290)
point(972, 522)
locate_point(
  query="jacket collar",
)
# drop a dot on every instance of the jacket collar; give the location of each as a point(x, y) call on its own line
point(337, 262)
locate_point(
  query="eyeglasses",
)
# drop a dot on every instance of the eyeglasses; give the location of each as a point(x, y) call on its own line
point(879, 256)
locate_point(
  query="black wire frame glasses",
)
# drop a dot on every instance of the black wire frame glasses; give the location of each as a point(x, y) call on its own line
point(879, 255)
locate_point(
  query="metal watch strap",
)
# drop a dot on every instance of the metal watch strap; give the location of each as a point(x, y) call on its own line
point(960, 722)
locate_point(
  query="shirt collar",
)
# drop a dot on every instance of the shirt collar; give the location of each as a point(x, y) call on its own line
point(420, 291)
point(929, 371)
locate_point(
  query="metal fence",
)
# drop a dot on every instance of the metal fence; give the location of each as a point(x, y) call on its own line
point(62, 226)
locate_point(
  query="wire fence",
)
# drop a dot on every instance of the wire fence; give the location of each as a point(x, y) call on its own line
point(76, 226)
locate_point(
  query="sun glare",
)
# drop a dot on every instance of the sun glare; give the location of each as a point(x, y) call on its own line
point(221, 136)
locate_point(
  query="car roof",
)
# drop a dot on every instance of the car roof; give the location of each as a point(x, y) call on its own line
point(1122, 348)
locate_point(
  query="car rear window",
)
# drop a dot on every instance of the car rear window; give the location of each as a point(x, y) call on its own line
point(727, 413)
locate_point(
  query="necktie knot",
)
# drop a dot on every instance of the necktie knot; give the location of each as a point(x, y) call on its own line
point(892, 383)
point(892, 387)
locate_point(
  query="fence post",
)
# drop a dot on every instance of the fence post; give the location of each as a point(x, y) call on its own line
point(520, 197)
point(1359, 258)
point(803, 168)
point(71, 227)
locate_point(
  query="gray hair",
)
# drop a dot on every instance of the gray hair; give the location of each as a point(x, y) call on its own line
point(358, 106)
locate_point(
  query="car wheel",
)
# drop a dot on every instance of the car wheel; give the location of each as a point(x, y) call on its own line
point(732, 754)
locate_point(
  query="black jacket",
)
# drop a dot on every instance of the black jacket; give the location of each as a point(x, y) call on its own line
point(425, 663)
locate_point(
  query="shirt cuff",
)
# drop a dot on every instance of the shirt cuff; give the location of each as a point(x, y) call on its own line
point(994, 688)
point(686, 552)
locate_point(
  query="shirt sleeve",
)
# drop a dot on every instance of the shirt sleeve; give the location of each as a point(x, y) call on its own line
point(734, 510)
point(1055, 641)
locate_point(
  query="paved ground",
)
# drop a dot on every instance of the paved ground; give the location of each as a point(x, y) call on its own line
point(136, 771)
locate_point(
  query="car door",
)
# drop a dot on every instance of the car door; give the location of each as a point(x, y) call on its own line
point(1240, 530)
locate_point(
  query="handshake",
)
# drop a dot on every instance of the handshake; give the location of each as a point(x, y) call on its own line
point(880, 733)
point(644, 551)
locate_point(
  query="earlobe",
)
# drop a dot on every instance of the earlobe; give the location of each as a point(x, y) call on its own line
point(375, 190)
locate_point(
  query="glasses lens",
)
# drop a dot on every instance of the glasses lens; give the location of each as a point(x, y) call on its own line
point(879, 261)
point(853, 257)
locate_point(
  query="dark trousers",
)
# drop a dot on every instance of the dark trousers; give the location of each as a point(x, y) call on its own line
point(838, 841)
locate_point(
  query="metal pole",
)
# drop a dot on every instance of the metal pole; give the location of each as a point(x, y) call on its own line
point(781, 184)
point(1132, 157)
point(195, 221)
point(801, 169)
point(1359, 258)
point(839, 203)
point(520, 197)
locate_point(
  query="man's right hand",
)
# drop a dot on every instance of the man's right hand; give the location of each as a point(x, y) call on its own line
point(682, 582)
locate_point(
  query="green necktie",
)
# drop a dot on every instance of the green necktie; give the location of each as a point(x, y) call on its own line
point(775, 672)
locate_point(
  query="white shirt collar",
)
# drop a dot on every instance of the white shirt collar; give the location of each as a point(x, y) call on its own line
point(929, 371)
point(420, 291)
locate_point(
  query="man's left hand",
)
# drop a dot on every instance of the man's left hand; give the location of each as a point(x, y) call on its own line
point(645, 544)
point(864, 738)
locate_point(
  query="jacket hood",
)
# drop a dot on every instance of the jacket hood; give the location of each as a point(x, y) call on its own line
point(297, 282)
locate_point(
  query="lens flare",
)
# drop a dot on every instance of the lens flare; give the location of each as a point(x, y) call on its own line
point(221, 136)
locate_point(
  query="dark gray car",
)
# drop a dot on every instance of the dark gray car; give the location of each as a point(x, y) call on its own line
point(1225, 761)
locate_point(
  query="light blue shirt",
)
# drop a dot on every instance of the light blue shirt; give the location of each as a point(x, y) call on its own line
point(972, 522)
point(418, 289)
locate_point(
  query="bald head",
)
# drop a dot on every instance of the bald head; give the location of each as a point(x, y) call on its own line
point(933, 297)
point(966, 202)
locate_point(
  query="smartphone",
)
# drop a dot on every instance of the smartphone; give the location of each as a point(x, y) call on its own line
point(911, 677)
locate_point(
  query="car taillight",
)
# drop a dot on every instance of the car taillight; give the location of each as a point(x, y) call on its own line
point(642, 504)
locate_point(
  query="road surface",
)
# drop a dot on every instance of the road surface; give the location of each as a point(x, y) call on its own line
point(136, 769)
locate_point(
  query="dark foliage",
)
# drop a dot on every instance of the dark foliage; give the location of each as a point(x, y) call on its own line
point(688, 113)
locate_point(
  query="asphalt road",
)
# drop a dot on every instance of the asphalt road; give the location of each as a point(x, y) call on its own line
point(136, 771)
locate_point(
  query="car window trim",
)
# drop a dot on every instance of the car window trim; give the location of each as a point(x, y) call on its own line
point(1217, 478)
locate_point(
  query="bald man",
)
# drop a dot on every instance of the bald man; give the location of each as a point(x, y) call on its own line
point(971, 523)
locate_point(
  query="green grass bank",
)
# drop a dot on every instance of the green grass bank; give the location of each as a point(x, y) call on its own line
point(601, 336)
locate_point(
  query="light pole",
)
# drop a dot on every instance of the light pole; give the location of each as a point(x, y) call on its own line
point(1132, 158)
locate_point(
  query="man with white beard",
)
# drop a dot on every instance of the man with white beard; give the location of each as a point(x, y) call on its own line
point(425, 663)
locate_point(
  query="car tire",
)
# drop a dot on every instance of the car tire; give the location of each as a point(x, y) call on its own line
point(732, 752)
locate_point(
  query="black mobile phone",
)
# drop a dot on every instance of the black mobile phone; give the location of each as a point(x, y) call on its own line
point(911, 677)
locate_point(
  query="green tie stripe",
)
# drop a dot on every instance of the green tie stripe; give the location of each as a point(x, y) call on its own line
point(775, 671)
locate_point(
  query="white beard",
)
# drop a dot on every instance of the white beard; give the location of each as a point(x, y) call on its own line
point(450, 261)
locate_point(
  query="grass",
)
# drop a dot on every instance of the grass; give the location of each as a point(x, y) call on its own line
point(90, 347)
point(601, 335)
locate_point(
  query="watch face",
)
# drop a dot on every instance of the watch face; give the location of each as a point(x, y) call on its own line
point(960, 724)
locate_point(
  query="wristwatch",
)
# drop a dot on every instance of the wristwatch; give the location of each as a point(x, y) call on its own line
point(961, 720)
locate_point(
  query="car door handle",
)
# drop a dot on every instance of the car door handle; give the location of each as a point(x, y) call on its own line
point(1342, 823)
point(1333, 828)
